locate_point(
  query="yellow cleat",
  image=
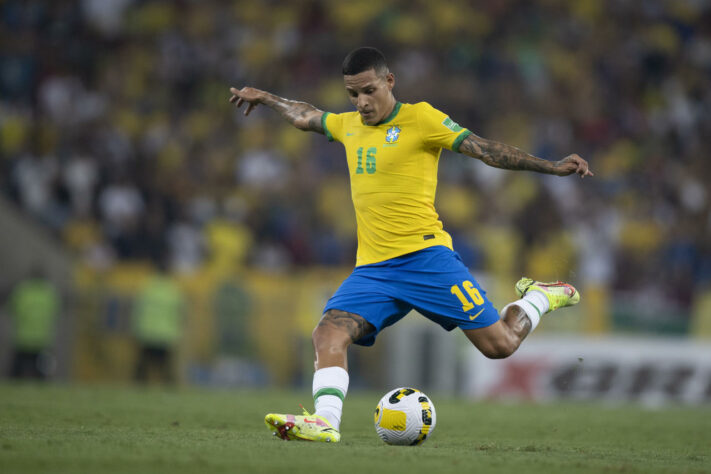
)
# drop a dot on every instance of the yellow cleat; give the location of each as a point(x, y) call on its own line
point(304, 427)
point(559, 294)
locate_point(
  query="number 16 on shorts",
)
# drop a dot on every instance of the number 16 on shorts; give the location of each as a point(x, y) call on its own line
point(474, 296)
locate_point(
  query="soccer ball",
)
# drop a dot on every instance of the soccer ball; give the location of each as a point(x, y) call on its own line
point(405, 416)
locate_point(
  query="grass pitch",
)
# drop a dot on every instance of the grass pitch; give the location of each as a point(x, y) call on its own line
point(105, 430)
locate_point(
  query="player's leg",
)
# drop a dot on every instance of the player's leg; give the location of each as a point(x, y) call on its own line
point(335, 332)
point(502, 338)
point(520, 318)
point(361, 307)
point(441, 288)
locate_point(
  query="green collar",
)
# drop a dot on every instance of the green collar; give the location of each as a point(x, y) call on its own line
point(392, 115)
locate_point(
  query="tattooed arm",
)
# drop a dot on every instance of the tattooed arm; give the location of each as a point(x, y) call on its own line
point(507, 157)
point(301, 115)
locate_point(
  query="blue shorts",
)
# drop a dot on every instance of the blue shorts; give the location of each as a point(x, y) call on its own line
point(434, 281)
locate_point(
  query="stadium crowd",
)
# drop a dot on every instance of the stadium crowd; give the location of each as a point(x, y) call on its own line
point(116, 132)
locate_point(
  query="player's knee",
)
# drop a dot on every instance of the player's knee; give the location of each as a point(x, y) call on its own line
point(318, 337)
point(325, 338)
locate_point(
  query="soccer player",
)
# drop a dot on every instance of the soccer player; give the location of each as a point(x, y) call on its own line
point(405, 258)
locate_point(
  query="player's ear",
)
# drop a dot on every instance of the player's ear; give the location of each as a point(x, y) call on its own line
point(390, 80)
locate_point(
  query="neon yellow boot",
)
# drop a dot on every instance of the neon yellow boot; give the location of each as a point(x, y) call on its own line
point(304, 427)
point(559, 294)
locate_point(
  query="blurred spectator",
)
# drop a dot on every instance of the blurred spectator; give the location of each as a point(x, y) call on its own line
point(186, 247)
point(121, 205)
point(80, 176)
point(158, 318)
point(34, 306)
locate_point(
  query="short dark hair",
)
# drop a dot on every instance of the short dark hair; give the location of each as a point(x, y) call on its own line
point(365, 58)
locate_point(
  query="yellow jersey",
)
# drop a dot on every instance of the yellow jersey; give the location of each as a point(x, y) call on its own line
point(393, 174)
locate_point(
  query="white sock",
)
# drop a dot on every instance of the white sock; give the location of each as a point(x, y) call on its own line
point(329, 389)
point(531, 308)
point(539, 300)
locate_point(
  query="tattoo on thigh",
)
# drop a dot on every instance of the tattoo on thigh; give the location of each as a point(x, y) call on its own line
point(354, 325)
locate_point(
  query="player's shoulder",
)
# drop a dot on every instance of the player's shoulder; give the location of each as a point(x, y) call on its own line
point(425, 108)
point(421, 106)
point(424, 105)
point(335, 121)
point(345, 116)
point(348, 113)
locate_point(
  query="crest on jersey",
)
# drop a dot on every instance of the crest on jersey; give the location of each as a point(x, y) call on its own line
point(392, 134)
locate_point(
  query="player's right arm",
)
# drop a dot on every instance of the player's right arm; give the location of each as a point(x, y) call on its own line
point(301, 115)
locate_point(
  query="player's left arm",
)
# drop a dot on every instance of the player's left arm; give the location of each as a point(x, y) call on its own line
point(508, 157)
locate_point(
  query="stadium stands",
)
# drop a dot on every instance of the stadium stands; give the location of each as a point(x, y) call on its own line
point(116, 133)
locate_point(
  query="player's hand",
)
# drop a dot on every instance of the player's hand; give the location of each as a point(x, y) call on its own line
point(252, 96)
point(573, 164)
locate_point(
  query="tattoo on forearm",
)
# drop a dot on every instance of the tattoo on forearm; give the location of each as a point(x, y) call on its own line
point(296, 113)
point(355, 325)
point(504, 156)
point(315, 124)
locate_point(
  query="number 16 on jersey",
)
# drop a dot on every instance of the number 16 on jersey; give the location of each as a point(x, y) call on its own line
point(474, 299)
point(369, 160)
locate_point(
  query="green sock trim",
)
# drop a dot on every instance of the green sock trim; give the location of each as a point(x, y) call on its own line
point(329, 391)
point(539, 311)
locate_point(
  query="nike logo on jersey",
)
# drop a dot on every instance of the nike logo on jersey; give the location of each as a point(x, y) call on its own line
point(349, 134)
point(472, 318)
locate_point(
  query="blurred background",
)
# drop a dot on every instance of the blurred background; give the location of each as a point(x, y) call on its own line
point(151, 233)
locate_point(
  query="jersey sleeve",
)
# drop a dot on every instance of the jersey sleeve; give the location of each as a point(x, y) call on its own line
point(332, 126)
point(438, 130)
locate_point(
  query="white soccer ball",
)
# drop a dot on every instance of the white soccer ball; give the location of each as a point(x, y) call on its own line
point(405, 416)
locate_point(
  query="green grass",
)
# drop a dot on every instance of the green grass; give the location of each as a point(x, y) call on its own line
point(103, 430)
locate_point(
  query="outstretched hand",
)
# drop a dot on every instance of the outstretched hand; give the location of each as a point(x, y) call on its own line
point(573, 164)
point(300, 114)
point(252, 96)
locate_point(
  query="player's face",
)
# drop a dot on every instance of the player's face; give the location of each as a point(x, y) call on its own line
point(371, 95)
